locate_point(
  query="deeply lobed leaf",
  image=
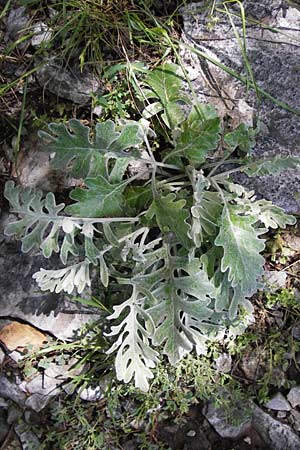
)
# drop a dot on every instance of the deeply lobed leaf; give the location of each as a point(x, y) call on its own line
point(242, 247)
point(100, 199)
point(73, 145)
point(134, 357)
point(165, 85)
point(171, 216)
point(271, 166)
point(199, 134)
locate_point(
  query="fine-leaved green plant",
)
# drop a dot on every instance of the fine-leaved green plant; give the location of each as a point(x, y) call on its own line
point(183, 238)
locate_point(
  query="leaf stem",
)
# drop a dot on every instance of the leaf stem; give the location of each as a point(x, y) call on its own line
point(49, 217)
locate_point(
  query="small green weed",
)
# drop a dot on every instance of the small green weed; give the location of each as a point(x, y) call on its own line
point(285, 298)
point(124, 411)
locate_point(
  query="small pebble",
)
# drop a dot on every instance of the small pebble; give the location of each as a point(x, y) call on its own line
point(296, 333)
point(191, 433)
point(278, 403)
point(294, 396)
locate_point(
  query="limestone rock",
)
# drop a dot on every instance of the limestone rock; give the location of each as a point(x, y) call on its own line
point(16, 24)
point(223, 363)
point(21, 298)
point(42, 34)
point(276, 435)
point(294, 396)
point(95, 393)
point(14, 414)
point(226, 428)
point(65, 82)
point(296, 333)
point(42, 389)
point(33, 167)
point(253, 363)
point(2, 356)
point(64, 371)
point(3, 403)
point(278, 403)
point(295, 419)
point(10, 391)
point(274, 280)
point(37, 402)
point(19, 336)
point(28, 439)
point(91, 394)
point(275, 61)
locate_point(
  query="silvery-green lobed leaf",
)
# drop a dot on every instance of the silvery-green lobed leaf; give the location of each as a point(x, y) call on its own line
point(228, 298)
point(211, 260)
point(39, 224)
point(134, 357)
point(73, 145)
point(243, 137)
point(242, 247)
point(68, 247)
point(239, 299)
point(223, 286)
point(205, 211)
point(165, 85)
point(199, 134)
point(179, 298)
point(171, 216)
point(100, 199)
point(75, 277)
point(273, 216)
point(181, 308)
point(271, 166)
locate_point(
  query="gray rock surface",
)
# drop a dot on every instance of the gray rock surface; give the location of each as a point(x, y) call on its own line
point(43, 385)
point(16, 23)
point(3, 403)
point(65, 82)
point(295, 419)
point(294, 396)
point(2, 356)
point(91, 394)
point(20, 297)
point(252, 364)
point(37, 402)
point(223, 363)
point(234, 428)
point(278, 403)
point(273, 280)
point(4, 427)
point(296, 333)
point(94, 393)
point(42, 34)
point(14, 414)
point(10, 391)
point(281, 415)
point(29, 440)
point(276, 435)
point(275, 61)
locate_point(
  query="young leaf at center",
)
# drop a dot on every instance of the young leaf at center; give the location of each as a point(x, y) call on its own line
point(101, 199)
point(171, 216)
